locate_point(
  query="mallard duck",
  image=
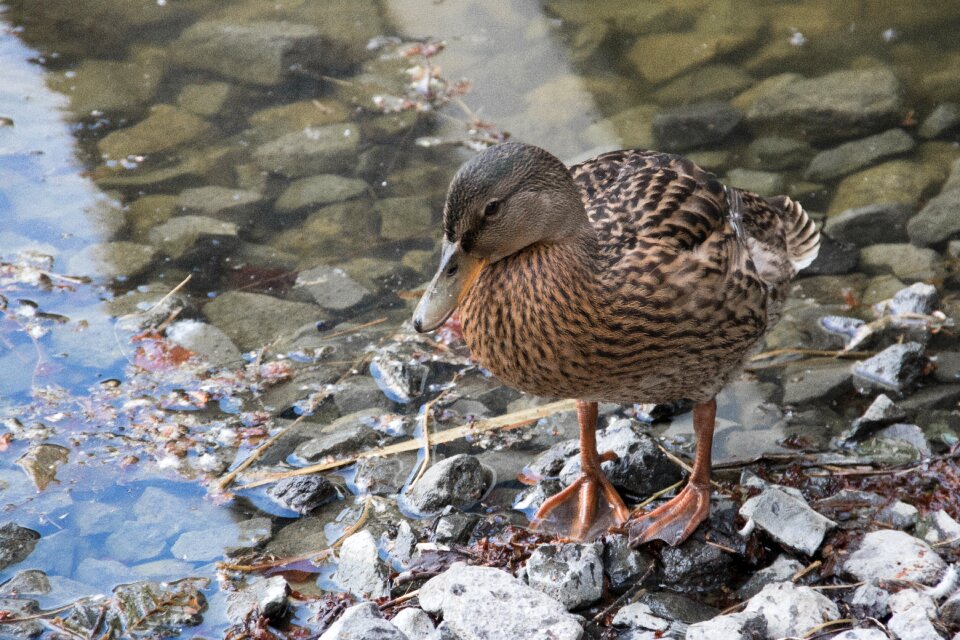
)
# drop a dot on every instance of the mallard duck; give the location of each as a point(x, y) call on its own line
point(632, 277)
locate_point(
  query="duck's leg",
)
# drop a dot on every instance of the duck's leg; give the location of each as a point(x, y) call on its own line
point(591, 482)
point(674, 521)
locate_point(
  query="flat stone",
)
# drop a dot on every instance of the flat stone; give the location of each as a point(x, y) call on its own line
point(804, 383)
point(318, 191)
point(360, 570)
point(360, 393)
point(349, 434)
point(252, 320)
point(881, 412)
point(913, 623)
point(303, 494)
point(310, 151)
point(894, 555)
point(872, 224)
point(219, 201)
point(938, 221)
point(274, 121)
point(207, 341)
point(112, 85)
point(781, 570)
point(893, 182)
point(895, 369)
point(851, 156)
point(695, 125)
point(840, 104)
point(458, 480)
point(363, 622)
point(191, 238)
point(710, 82)
point(899, 515)
point(944, 119)
point(765, 183)
point(791, 610)
point(112, 259)
point(788, 520)
point(633, 126)
point(478, 603)
point(906, 261)
point(571, 573)
point(206, 99)
point(331, 288)
point(774, 153)
point(404, 218)
point(165, 128)
point(735, 626)
point(663, 56)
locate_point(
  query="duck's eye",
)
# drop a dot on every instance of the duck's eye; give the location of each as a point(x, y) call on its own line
point(452, 270)
point(491, 208)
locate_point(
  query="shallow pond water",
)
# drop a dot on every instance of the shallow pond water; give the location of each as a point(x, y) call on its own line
point(260, 182)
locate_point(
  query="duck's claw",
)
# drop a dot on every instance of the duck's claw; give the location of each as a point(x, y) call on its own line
point(586, 489)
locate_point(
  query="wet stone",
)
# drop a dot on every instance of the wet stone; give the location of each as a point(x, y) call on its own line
point(383, 475)
point(570, 573)
point(691, 126)
point(764, 183)
point(311, 151)
point(454, 526)
point(834, 258)
point(205, 99)
point(674, 606)
point(414, 623)
point(267, 596)
point(909, 434)
point(110, 85)
point(21, 608)
point(252, 320)
point(360, 570)
point(638, 615)
point(938, 221)
point(16, 543)
point(948, 366)
point(872, 224)
point(362, 622)
point(918, 298)
point(787, 519)
point(735, 626)
point(851, 156)
point(219, 201)
point(622, 564)
point(188, 239)
point(772, 153)
point(896, 181)
point(944, 119)
point(209, 342)
point(359, 393)
point(804, 383)
point(840, 104)
point(481, 601)
point(663, 56)
point(906, 261)
point(791, 610)
point(401, 378)
point(894, 369)
point(303, 494)
point(331, 288)
point(894, 555)
point(710, 82)
point(881, 412)
point(318, 191)
point(694, 566)
point(165, 128)
point(112, 259)
point(29, 582)
point(403, 218)
point(347, 435)
point(459, 481)
point(781, 570)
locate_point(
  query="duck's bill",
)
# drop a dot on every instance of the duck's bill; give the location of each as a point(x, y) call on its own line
point(455, 275)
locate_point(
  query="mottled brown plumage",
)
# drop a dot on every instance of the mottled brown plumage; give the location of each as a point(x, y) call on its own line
point(632, 277)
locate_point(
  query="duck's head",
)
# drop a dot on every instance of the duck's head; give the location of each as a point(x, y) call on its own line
point(502, 200)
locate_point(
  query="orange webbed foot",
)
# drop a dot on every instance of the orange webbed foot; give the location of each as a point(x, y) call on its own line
point(674, 521)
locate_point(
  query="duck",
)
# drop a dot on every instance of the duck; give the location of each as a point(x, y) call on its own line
point(632, 277)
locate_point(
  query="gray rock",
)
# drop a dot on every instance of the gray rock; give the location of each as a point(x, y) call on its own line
point(478, 603)
point(833, 258)
point(219, 201)
point(695, 125)
point(919, 298)
point(309, 152)
point(938, 221)
point(207, 341)
point(788, 520)
point(360, 393)
point(267, 596)
point(851, 156)
point(805, 383)
point(781, 570)
point(709, 82)
point(869, 600)
point(861, 634)
point(571, 573)
point(26, 583)
point(911, 619)
point(404, 218)
point(204, 544)
point(459, 481)
point(872, 224)
point(414, 623)
point(677, 607)
point(303, 494)
point(346, 435)
point(164, 129)
point(403, 378)
point(940, 529)
point(839, 104)
point(256, 52)
point(112, 259)
point(112, 85)
point(944, 119)
point(772, 153)
point(454, 526)
point(881, 412)
point(894, 555)
point(735, 626)
point(253, 320)
point(694, 566)
point(907, 262)
point(623, 564)
point(948, 366)
point(765, 183)
point(383, 475)
point(319, 190)
point(894, 369)
point(22, 608)
point(16, 543)
point(950, 610)
point(638, 615)
point(331, 288)
point(898, 515)
point(206, 99)
point(910, 434)
point(362, 622)
point(791, 610)
point(360, 570)
point(188, 239)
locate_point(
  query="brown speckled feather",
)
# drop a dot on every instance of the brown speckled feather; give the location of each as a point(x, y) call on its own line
point(678, 279)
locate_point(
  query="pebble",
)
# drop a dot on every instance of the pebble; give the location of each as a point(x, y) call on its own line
point(855, 155)
point(735, 626)
point(948, 366)
point(331, 288)
point(320, 190)
point(791, 610)
point(881, 412)
point(303, 494)
point(774, 153)
point(166, 128)
point(212, 200)
point(16, 543)
point(346, 435)
point(872, 224)
point(909, 434)
point(638, 615)
point(362, 622)
point(267, 596)
point(415, 624)
point(677, 607)
point(252, 320)
point(894, 555)
point(787, 519)
point(780, 570)
point(112, 260)
point(360, 570)
point(912, 613)
point(940, 528)
point(459, 481)
point(484, 602)
point(454, 526)
point(899, 515)
point(950, 610)
point(696, 125)
point(894, 369)
point(405, 217)
point(662, 56)
point(403, 379)
point(570, 573)
point(944, 119)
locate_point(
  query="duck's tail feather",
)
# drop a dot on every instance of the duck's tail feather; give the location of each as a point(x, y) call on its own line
point(803, 239)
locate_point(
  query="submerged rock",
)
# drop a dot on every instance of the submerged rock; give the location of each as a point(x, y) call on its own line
point(16, 543)
point(331, 288)
point(484, 602)
point(310, 151)
point(938, 221)
point(165, 128)
point(571, 573)
point(690, 126)
point(190, 239)
point(881, 412)
point(253, 320)
point(944, 119)
point(895, 369)
point(112, 259)
point(209, 342)
point(266, 596)
point(872, 224)
point(851, 156)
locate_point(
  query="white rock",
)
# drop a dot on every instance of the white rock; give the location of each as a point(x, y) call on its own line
point(894, 555)
point(791, 610)
point(361, 622)
point(415, 623)
point(788, 519)
point(912, 624)
point(736, 626)
point(482, 603)
point(909, 599)
point(942, 528)
point(639, 616)
point(571, 573)
point(861, 634)
point(360, 570)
